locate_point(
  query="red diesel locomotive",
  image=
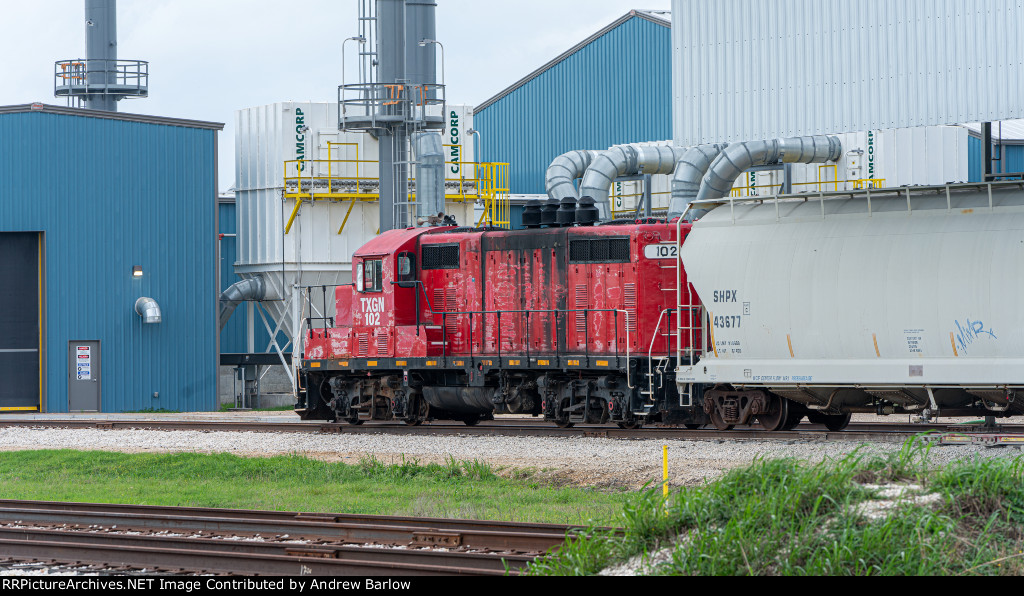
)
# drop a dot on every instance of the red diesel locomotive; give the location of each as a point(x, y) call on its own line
point(567, 319)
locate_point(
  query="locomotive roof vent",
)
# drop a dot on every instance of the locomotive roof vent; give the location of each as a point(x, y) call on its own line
point(549, 215)
point(532, 214)
point(566, 215)
point(586, 212)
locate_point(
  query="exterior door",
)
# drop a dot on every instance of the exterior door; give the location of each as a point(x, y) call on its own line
point(19, 322)
point(84, 376)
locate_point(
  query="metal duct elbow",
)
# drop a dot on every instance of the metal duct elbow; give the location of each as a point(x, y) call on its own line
point(248, 289)
point(737, 158)
point(563, 172)
point(149, 310)
point(689, 172)
point(625, 160)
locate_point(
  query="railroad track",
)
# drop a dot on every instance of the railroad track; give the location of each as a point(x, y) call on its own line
point(228, 541)
point(874, 432)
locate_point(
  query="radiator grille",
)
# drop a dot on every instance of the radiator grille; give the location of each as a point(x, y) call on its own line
point(382, 345)
point(629, 290)
point(363, 341)
point(582, 303)
point(599, 250)
point(441, 256)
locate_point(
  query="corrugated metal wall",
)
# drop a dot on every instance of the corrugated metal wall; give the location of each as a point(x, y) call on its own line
point(616, 89)
point(755, 69)
point(234, 338)
point(1012, 162)
point(108, 195)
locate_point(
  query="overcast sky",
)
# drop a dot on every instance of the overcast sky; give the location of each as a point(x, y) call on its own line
point(209, 58)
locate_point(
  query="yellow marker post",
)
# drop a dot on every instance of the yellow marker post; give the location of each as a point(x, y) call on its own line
point(664, 465)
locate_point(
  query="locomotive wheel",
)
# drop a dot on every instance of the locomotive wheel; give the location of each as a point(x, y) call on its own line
point(564, 423)
point(471, 420)
point(422, 411)
point(632, 424)
point(354, 420)
point(776, 418)
point(693, 426)
point(719, 421)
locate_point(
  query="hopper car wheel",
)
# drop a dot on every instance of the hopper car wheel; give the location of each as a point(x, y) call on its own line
point(719, 421)
point(693, 426)
point(836, 423)
point(792, 420)
point(564, 423)
point(776, 419)
point(354, 420)
point(631, 424)
point(471, 420)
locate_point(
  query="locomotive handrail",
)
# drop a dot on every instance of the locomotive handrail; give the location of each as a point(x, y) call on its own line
point(498, 313)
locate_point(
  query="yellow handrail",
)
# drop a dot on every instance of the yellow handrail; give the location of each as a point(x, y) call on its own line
point(319, 179)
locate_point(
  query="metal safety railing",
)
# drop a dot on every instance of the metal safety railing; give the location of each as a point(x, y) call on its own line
point(81, 76)
point(752, 190)
point(499, 351)
point(365, 106)
point(355, 180)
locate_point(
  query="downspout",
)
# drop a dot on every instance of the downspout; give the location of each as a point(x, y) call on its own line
point(625, 160)
point(738, 158)
point(564, 170)
point(689, 172)
point(248, 289)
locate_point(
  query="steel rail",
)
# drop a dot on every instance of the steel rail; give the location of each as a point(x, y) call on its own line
point(809, 432)
point(435, 535)
point(392, 557)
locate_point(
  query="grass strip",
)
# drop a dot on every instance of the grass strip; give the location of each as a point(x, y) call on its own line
point(784, 517)
point(467, 490)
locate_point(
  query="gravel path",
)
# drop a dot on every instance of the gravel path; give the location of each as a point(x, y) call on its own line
point(603, 463)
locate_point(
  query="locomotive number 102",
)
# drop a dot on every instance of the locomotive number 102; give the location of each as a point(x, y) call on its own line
point(665, 250)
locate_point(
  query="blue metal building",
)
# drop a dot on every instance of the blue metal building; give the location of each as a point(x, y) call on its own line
point(234, 337)
point(614, 87)
point(97, 210)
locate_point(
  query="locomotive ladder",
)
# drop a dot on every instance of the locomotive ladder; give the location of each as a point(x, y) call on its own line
point(690, 328)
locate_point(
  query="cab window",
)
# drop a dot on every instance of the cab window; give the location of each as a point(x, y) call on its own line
point(373, 275)
point(406, 266)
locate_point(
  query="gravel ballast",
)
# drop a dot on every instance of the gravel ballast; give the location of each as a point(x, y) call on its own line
point(582, 461)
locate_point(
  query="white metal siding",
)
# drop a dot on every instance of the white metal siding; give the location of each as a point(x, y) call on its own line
point(755, 69)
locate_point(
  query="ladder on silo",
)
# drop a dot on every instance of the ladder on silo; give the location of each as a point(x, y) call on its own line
point(368, 50)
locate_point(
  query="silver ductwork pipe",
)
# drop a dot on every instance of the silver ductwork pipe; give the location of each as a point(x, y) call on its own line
point(625, 160)
point(563, 172)
point(253, 288)
point(149, 310)
point(738, 158)
point(689, 172)
point(429, 151)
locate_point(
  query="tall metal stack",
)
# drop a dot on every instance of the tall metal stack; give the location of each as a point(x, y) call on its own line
point(396, 98)
point(100, 80)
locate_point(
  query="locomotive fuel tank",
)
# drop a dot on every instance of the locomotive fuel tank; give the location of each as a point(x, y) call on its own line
point(910, 296)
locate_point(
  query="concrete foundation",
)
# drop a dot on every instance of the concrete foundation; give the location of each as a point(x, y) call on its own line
point(275, 387)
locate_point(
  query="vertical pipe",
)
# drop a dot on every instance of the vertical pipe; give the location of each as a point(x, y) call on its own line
point(394, 174)
point(101, 51)
point(986, 151)
point(421, 62)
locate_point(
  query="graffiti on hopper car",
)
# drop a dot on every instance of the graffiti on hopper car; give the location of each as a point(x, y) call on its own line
point(972, 331)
